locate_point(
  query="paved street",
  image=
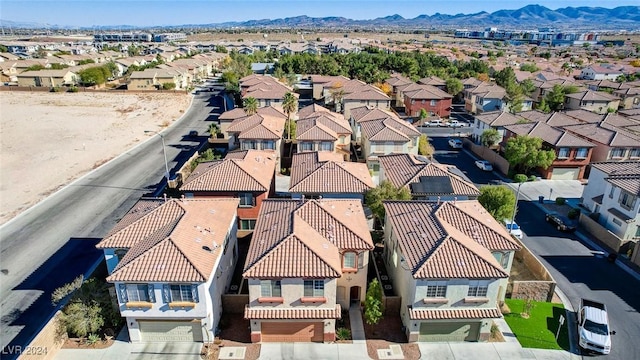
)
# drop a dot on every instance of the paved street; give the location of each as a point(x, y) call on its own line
point(461, 159)
point(73, 219)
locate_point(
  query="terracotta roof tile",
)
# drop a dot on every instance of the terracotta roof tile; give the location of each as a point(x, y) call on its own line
point(378, 125)
point(404, 169)
point(296, 238)
point(249, 170)
point(628, 183)
point(232, 114)
point(311, 109)
point(598, 133)
point(592, 96)
point(549, 134)
point(258, 126)
point(427, 92)
point(618, 167)
point(429, 238)
point(498, 118)
point(310, 131)
point(172, 249)
point(311, 174)
point(446, 314)
point(266, 313)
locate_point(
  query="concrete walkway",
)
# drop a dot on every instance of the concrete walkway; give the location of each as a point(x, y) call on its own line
point(357, 326)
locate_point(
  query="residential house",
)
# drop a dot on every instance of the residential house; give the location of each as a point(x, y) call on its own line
point(606, 85)
point(483, 98)
point(542, 88)
point(596, 101)
point(612, 193)
point(318, 129)
point(320, 81)
point(449, 262)
point(265, 89)
point(228, 117)
point(247, 175)
point(307, 261)
point(170, 261)
point(493, 120)
point(629, 98)
point(154, 79)
point(573, 153)
point(366, 95)
point(257, 132)
point(433, 100)
point(326, 175)
point(598, 72)
point(380, 132)
point(47, 78)
point(425, 179)
point(434, 81)
point(396, 81)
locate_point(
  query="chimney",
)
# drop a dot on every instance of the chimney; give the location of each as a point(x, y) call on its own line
point(455, 198)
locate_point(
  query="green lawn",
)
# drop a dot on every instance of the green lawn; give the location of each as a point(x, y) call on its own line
point(539, 330)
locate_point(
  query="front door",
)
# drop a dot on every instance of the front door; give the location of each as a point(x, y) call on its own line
point(354, 295)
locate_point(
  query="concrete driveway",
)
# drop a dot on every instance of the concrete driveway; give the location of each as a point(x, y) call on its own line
point(551, 190)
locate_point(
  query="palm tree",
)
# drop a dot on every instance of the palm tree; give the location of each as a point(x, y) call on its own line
point(250, 105)
point(289, 105)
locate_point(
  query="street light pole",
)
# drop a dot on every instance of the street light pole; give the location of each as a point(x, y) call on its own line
point(515, 206)
point(164, 152)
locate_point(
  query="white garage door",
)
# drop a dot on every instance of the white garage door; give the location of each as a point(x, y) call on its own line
point(565, 174)
point(170, 331)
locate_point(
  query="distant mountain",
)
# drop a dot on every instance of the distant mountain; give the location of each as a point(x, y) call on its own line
point(528, 17)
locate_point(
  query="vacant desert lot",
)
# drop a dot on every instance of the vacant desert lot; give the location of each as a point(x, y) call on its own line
point(49, 139)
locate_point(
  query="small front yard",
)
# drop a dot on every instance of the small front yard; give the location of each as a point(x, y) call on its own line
point(539, 329)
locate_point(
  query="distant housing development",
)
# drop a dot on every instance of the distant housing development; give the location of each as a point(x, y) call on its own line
point(541, 36)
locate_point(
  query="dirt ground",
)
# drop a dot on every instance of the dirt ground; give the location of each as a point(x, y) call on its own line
point(235, 332)
point(48, 140)
point(387, 332)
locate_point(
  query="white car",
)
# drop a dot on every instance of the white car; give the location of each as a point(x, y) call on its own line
point(484, 165)
point(513, 228)
point(456, 123)
point(455, 143)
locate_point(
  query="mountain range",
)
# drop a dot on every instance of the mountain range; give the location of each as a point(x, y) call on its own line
point(530, 16)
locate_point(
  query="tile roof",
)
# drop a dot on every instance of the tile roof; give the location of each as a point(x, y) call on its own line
point(592, 96)
point(585, 115)
point(379, 125)
point(553, 136)
point(618, 167)
point(258, 126)
point(266, 313)
point(397, 80)
point(232, 114)
point(498, 118)
point(628, 183)
point(297, 238)
point(321, 125)
point(366, 92)
point(557, 119)
point(434, 239)
point(427, 92)
point(432, 80)
point(620, 215)
point(248, 170)
point(166, 243)
point(311, 109)
point(312, 172)
point(405, 169)
point(445, 314)
point(600, 134)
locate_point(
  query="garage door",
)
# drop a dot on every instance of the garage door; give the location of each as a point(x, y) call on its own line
point(292, 332)
point(170, 331)
point(454, 331)
point(565, 173)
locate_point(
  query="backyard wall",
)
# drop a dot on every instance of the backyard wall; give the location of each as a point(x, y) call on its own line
point(601, 233)
point(499, 163)
point(540, 287)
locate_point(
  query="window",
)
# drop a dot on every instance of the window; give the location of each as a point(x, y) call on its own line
point(306, 146)
point(503, 258)
point(120, 253)
point(617, 153)
point(248, 145)
point(269, 145)
point(270, 288)
point(478, 288)
point(613, 189)
point(563, 153)
point(137, 292)
point(433, 102)
point(314, 288)
point(349, 260)
point(627, 200)
point(436, 288)
point(246, 199)
point(181, 292)
point(422, 101)
point(326, 146)
point(616, 221)
point(247, 224)
point(581, 153)
point(634, 153)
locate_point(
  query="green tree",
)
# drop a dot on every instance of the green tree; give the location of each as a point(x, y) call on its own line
point(529, 67)
point(528, 87)
point(290, 129)
point(86, 61)
point(454, 86)
point(385, 191)
point(525, 153)
point(489, 137)
point(250, 105)
point(543, 106)
point(373, 303)
point(289, 105)
point(36, 67)
point(424, 148)
point(555, 97)
point(4, 49)
point(59, 66)
point(498, 200)
point(93, 76)
point(423, 114)
point(168, 86)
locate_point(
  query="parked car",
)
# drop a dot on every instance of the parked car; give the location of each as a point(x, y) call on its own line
point(484, 165)
point(593, 327)
point(456, 123)
point(561, 222)
point(513, 228)
point(455, 143)
point(436, 122)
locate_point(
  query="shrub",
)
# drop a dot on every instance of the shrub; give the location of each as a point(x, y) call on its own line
point(73, 89)
point(343, 334)
point(55, 89)
point(520, 178)
point(93, 339)
point(533, 178)
point(560, 201)
point(573, 213)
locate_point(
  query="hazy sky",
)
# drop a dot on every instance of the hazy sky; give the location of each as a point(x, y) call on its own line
point(176, 12)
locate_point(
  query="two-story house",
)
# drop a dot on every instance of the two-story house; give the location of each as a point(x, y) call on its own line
point(434, 81)
point(611, 143)
point(596, 101)
point(326, 175)
point(612, 192)
point(248, 175)
point(48, 78)
point(597, 72)
point(319, 82)
point(307, 260)
point(427, 180)
point(433, 100)
point(492, 120)
point(396, 81)
point(257, 132)
point(265, 89)
point(381, 132)
point(449, 262)
point(629, 97)
point(228, 117)
point(318, 129)
point(366, 95)
point(573, 153)
point(170, 261)
point(483, 98)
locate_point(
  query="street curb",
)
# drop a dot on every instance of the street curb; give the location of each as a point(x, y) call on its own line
point(34, 206)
